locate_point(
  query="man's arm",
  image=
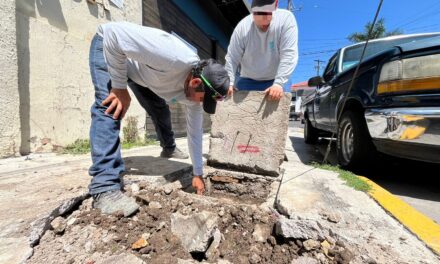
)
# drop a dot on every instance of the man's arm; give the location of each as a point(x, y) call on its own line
point(288, 51)
point(194, 126)
point(234, 55)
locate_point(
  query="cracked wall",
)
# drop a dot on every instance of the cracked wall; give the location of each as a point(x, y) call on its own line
point(55, 87)
point(9, 96)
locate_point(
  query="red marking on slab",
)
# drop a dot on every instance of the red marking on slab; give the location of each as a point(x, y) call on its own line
point(248, 149)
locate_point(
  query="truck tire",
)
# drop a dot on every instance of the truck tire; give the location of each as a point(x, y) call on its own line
point(310, 133)
point(354, 148)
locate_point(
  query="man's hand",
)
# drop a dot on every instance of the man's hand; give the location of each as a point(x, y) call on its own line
point(231, 90)
point(274, 93)
point(118, 101)
point(198, 184)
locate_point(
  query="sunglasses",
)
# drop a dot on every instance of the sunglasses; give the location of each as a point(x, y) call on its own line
point(263, 13)
point(216, 96)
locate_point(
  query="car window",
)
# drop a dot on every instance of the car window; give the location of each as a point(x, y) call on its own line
point(331, 68)
point(352, 54)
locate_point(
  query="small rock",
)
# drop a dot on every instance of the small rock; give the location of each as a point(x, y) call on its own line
point(333, 217)
point(311, 244)
point(168, 190)
point(155, 205)
point(161, 225)
point(212, 251)
point(321, 257)
point(125, 258)
point(403, 238)
point(339, 243)
point(143, 198)
point(146, 236)
point(221, 212)
point(141, 243)
point(254, 259)
point(261, 233)
point(325, 246)
point(146, 250)
point(331, 240)
point(272, 240)
point(304, 260)
point(59, 225)
point(71, 221)
point(135, 188)
point(89, 246)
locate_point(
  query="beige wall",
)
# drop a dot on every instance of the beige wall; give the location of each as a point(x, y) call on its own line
point(9, 97)
point(56, 92)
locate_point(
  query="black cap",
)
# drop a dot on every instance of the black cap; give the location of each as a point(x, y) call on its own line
point(218, 77)
point(264, 5)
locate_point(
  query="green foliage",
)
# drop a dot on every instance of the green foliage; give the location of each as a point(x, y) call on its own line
point(351, 179)
point(379, 31)
point(131, 130)
point(131, 140)
point(80, 146)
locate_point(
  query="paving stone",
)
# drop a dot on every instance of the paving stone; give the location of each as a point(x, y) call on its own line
point(249, 133)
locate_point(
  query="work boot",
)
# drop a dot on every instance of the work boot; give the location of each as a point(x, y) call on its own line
point(175, 153)
point(113, 201)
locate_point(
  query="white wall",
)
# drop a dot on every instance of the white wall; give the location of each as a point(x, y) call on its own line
point(55, 86)
point(9, 96)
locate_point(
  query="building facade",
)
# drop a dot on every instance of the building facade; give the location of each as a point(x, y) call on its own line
point(45, 85)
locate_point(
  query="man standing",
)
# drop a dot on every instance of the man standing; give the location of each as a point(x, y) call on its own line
point(265, 47)
point(159, 112)
point(124, 53)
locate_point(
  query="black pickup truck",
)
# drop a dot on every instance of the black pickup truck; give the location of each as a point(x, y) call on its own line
point(393, 106)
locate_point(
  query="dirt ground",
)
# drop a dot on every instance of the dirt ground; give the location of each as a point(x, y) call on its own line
point(247, 232)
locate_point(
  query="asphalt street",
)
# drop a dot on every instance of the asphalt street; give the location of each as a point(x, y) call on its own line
point(416, 183)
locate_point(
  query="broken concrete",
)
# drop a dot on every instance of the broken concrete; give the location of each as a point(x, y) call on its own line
point(194, 231)
point(249, 133)
point(298, 229)
point(40, 226)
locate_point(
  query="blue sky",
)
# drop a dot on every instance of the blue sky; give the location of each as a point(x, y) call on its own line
point(325, 24)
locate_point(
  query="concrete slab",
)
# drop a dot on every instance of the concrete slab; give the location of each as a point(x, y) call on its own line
point(249, 133)
point(352, 216)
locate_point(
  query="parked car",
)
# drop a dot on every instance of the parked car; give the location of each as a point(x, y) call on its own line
point(295, 113)
point(393, 106)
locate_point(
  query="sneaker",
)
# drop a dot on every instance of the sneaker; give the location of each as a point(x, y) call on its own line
point(176, 153)
point(113, 201)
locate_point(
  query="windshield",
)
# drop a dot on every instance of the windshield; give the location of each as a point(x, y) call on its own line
point(352, 55)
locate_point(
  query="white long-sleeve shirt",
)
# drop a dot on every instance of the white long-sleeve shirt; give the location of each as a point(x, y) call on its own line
point(160, 61)
point(270, 55)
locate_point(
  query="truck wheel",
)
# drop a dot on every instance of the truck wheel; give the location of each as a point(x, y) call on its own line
point(310, 133)
point(354, 146)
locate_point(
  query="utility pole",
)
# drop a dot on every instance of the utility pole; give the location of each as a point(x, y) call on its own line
point(291, 7)
point(318, 66)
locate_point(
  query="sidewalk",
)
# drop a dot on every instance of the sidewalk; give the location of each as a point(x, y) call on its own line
point(32, 187)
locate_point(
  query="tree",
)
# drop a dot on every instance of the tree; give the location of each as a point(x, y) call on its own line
point(379, 31)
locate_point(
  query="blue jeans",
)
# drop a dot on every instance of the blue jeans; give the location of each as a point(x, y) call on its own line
point(246, 84)
point(104, 131)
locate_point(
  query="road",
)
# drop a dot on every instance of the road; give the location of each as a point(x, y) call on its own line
point(416, 183)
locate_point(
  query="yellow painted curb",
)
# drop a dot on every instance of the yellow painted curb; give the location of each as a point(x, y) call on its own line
point(422, 226)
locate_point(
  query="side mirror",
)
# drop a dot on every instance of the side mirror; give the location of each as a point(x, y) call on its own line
point(315, 81)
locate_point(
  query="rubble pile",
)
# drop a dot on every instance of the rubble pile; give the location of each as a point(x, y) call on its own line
point(173, 226)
